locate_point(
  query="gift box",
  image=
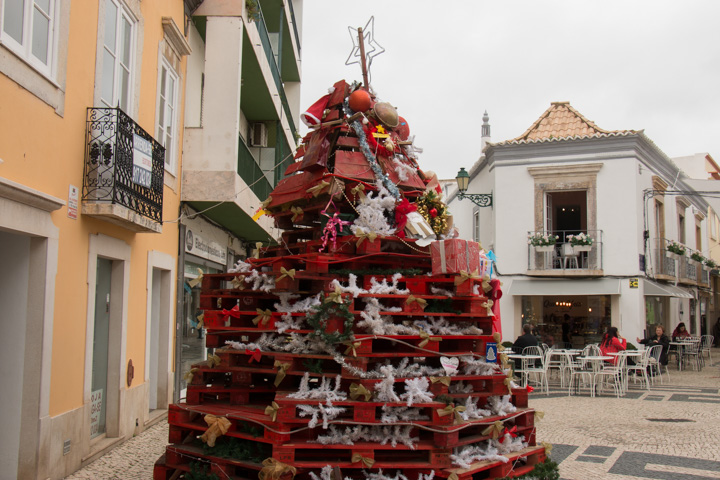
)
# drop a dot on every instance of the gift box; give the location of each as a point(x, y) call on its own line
point(455, 255)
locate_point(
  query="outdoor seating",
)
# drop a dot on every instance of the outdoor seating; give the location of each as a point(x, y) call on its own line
point(539, 370)
point(570, 256)
point(656, 367)
point(639, 369)
point(612, 374)
point(691, 353)
point(706, 343)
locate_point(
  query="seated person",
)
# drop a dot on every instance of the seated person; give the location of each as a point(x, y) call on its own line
point(658, 339)
point(612, 342)
point(680, 332)
point(527, 339)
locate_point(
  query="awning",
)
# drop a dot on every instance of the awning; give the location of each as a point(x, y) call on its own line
point(598, 286)
point(654, 289)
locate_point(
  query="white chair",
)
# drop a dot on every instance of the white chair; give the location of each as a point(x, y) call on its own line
point(569, 255)
point(640, 369)
point(707, 343)
point(612, 374)
point(539, 370)
point(691, 352)
point(655, 365)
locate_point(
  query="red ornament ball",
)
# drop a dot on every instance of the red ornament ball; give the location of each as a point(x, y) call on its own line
point(403, 129)
point(360, 101)
point(433, 212)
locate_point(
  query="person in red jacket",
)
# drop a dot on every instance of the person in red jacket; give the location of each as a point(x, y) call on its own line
point(612, 342)
point(680, 331)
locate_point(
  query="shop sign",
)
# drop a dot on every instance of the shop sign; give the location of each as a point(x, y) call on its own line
point(633, 283)
point(142, 161)
point(73, 197)
point(96, 404)
point(200, 246)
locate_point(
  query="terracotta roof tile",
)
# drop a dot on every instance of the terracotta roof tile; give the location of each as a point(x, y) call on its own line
point(561, 122)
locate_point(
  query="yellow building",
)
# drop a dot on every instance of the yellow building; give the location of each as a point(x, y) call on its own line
point(90, 140)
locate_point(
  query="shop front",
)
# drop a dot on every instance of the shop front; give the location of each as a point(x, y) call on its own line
point(566, 313)
point(667, 305)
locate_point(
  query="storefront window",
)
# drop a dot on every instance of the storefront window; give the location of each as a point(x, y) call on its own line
point(568, 320)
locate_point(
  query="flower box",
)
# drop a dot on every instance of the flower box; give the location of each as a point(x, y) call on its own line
point(544, 248)
point(582, 248)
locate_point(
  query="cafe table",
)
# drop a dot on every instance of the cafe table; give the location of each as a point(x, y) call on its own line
point(628, 354)
point(566, 361)
point(597, 362)
point(524, 361)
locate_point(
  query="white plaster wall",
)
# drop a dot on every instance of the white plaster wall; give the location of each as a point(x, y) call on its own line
point(514, 205)
point(15, 259)
point(193, 84)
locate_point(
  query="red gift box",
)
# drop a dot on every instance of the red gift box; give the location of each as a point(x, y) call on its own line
point(455, 255)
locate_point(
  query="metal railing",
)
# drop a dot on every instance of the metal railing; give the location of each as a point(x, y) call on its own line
point(124, 164)
point(563, 255)
point(267, 47)
point(294, 26)
point(689, 269)
point(250, 172)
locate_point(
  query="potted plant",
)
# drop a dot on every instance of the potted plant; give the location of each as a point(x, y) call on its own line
point(697, 257)
point(675, 249)
point(581, 242)
point(543, 243)
point(710, 263)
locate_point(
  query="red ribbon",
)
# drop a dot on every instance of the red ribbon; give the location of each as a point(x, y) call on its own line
point(234, 312)
point(512, 432)
point(529, 388)
point(256, 355)
point(401, 212)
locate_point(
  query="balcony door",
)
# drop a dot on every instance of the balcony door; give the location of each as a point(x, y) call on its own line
point(566, 213)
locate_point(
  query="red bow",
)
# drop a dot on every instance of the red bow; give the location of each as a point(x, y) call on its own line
point(256, 355)
point(401, 212)
point(529, 388)
point(512, 432)
point(234, 312)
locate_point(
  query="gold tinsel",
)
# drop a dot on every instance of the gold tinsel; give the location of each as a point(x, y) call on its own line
point(426, 203)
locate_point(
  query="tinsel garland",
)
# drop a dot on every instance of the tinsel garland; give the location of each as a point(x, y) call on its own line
point(319, 317)
point(434, 211)
point(369, 156)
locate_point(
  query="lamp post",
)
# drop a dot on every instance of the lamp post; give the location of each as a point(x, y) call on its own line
point(479, 199)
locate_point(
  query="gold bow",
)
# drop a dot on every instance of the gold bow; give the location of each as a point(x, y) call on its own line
point(359, 390)
point(263, 316)
point(317, 189)
point(486, 283)
point(258, 246)
point(453, 476)
point(539, 415)
point(368, 462)
point(504, 359)
point(266, 202)
point(362, 236)
point(444, 380)
point(201, 320)
point(488, 304)
point(420, 301)
point(190, 375)
point(427, 338)
point(286, 273)
point(474, 275)
point(508, 381)
point(272, 411)
point(351, 346)
point(213, 361)
point(238, 282)
point(452, 409)
point(359, 190)
point(497, 337)
point(297, 213)
point(196, 281)
point(494, 430)
point(335, 296)
point(217, 427)
point(273, 469)
point(548, 448)
point(282, 371)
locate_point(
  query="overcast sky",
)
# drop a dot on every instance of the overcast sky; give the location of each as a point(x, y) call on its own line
point(624, 64)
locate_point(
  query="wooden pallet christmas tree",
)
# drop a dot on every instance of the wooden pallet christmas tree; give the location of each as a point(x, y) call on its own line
point(354, 347)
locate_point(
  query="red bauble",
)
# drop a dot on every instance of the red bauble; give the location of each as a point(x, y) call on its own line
point(403, 129)
point(433, 212)
point(360, 101)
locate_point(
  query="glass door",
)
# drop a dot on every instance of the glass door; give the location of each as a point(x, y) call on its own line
point(98, 395)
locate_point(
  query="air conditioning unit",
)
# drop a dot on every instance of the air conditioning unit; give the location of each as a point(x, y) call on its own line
point(258, 135)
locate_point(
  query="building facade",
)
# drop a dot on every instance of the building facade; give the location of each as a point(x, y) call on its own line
point(90, 162)
point(569, 180)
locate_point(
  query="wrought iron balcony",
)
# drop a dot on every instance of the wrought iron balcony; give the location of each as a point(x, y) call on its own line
point(124, 167)
point(563, 258)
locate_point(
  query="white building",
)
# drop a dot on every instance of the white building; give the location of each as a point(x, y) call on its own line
point(565, 176)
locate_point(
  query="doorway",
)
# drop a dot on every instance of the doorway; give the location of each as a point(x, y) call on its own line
point(101, 339)
point(567, 213)
point(158, 339)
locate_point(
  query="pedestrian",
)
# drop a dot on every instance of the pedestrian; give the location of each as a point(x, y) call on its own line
point(527, 339)
point(658, 339)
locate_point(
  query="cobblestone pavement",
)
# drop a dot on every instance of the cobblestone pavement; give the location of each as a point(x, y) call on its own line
point(671, 432)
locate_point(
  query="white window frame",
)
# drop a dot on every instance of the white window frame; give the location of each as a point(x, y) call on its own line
point(476, 224)
point(160, 132)
point(123, 13)
point(23, 49)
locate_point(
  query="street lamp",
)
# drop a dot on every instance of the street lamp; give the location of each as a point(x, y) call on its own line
point(479, 199)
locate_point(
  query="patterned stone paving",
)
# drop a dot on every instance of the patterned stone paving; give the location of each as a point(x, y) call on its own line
point(671, 432)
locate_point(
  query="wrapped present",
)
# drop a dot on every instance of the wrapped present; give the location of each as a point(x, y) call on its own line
point(455, 256)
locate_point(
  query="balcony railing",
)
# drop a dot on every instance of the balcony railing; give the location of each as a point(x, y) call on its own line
point(251, 173)
point(563, 256)
point(124, 165)
point(666, 260)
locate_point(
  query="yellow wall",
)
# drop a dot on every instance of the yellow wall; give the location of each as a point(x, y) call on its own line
point(44, 151)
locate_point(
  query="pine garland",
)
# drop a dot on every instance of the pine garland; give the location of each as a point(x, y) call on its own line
point(319, 317)
point(547, 470)
point(199, 471)
point(239, 449)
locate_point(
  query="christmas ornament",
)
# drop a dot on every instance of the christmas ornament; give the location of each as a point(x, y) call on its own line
point(360, 101)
